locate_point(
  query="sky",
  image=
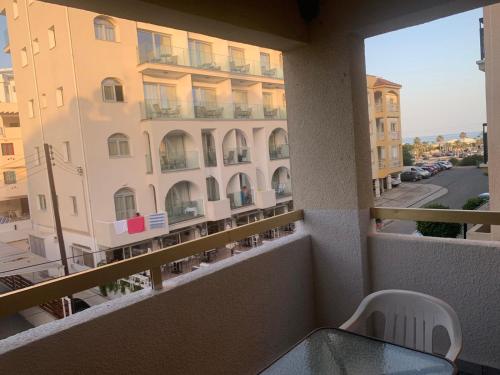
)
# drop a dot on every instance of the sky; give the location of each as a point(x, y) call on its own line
point(443, 89)
point(4, 57)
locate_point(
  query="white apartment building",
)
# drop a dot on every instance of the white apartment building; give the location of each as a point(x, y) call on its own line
point(185, 130)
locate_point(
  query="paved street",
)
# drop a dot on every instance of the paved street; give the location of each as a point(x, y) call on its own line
point(462, 183)
point(12, 324)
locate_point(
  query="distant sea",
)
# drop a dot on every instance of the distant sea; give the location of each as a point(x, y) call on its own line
point(447, 137)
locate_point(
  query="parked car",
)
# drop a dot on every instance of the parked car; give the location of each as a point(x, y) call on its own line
point(422, 173)
point(446, 164)
point(431, 168)
point(409, 176)
point(395, 181)
point(485, 196)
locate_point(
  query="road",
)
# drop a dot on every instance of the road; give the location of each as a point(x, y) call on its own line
point(462, 183)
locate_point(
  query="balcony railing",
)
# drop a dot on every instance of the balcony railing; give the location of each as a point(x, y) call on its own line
point(156, 109)
point(240, 199)
point(279, 151)
point(236, 155)
point(380, 135)
point(379, 107)
point(206, 61)
point(185, 211)
point(210, 157)
point(282, 190)
point(392, 107)
point(187, 160)
point(43, 292)
point(395, 135)
point(381, 164)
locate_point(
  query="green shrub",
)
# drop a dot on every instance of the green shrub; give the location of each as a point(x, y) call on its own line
point(471, 160)
point(473, 203)
point(436, 229)
point(454, 161)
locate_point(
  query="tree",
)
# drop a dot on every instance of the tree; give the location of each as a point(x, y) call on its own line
point(472, 160)
point(436, 229)
point(407, 155)
point(473, 203)
point(417, 141)
point(439, 139)
point(463, 135)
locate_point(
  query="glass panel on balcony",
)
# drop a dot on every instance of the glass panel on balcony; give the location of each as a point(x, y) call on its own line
point(161, 101)
point(155, 48)
point(278, 145)
point(236, 155)
point(179, 204)
point(205, 103)
point(239, 191)
point(281, 183)
point(237, 62)
point(200, 55)
point(177, 152)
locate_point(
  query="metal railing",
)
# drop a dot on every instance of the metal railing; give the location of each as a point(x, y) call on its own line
point(380, 135)
point(282, 190)
point(236, 155)
point(395, 135)
point(395, 163)
point(185, 211)
point(239, 199)
point(381, 163)
point(17, 300)
point(187, 160)
point(392, 107)
point(436, 215)
point(194, 58)
point(279, 151)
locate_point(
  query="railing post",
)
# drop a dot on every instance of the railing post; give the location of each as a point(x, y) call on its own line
point(156, 278)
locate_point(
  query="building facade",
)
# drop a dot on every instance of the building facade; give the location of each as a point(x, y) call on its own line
point(385, 132)
point(157, 135)
point(13, 175)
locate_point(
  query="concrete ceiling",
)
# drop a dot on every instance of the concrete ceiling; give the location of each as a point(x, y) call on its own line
point(280, 24)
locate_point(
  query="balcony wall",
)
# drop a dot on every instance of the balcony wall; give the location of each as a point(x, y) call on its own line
point(463, 273)
point(232, 317)
point(218, 210)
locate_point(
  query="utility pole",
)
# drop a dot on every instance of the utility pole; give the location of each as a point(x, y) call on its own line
point(55, 205)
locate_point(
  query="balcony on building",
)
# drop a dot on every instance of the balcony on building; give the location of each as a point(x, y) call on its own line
point(234, 148)
point(178, 152)
point(278, 145)
point(181, 203)
point(281, 183)
point(239, 191)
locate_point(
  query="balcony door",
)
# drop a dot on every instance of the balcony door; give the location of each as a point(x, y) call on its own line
point(265, 61)
point(267, 99)
point(153, 46)
point(200, 53)
point(240, 99)
point(177, 197)
point(205, 97)
point(176, 150)
point(125, 204)
point(237, 56)
point(159, 96)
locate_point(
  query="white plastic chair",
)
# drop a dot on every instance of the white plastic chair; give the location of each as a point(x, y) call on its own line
point(410, 318)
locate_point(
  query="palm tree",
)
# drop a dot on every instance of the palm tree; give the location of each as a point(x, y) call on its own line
point(417, 145)
point(463, 135)
point(439, 139)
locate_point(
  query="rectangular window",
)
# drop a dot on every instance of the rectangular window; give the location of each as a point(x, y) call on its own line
point(9, 177)
point(31, 108)
point(155, 47)
point(42, 203)
point(237, 56)
point(83, 256)
point(7, 149)
point(52, 37)
point(267, 99)
point(24, 57)
point(240, 98)
point(206, 97)
point(59, 97)
point(36, 46)
point(74, 205)
point(66, 152)
point(265, 61)
point(37, 156)
point(395, 152)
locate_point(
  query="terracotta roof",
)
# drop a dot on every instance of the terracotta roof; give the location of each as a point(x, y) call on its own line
point(384, 82)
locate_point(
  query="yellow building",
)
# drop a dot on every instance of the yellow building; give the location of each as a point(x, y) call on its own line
point(13, 175)
point(385, 132)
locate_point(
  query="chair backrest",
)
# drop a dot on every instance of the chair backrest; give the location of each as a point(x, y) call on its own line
point(410, 318)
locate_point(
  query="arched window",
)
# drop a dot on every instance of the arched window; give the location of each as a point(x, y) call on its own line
point(212, 189)
point(104, 29)
point(125, 207)
point(118, 145)
point(112, 90)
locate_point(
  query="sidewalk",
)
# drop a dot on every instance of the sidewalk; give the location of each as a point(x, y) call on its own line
point(410, 195)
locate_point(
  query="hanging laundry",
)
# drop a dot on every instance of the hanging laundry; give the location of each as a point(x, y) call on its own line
point(121, 226)
point(136, 224)
point(157, 221)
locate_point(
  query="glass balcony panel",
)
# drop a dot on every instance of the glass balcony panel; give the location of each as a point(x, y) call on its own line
point(175, 162)
point(185, 211)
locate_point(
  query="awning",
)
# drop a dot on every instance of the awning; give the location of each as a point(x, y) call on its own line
point(14, 261)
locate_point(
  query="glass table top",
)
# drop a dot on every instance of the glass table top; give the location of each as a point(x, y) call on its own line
point(333, 351)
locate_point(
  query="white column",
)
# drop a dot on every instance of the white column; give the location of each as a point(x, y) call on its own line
point(388, 180)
